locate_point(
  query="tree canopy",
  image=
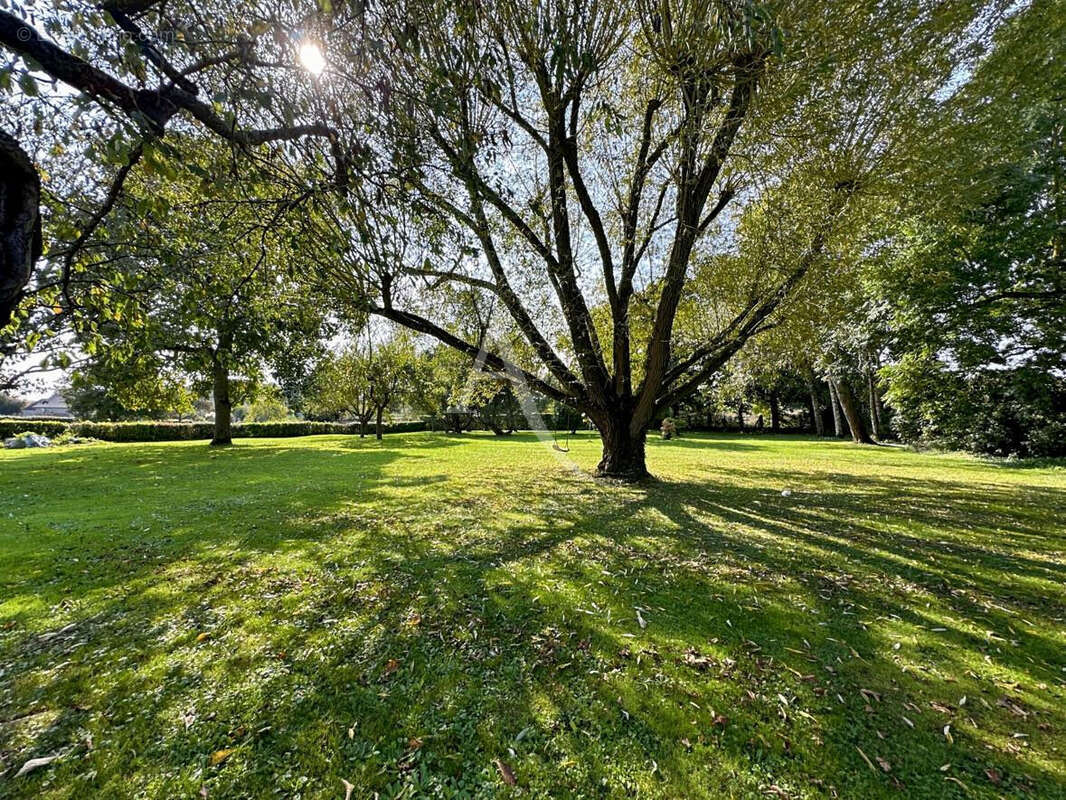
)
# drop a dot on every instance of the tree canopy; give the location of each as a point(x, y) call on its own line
point(603, 203)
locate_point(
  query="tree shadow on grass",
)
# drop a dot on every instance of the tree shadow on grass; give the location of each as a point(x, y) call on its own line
point(404, 639)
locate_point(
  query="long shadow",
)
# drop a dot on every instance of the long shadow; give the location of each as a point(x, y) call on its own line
point(405, 649)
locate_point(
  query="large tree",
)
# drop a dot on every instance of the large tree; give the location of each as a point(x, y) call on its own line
point(20, 223)
point(551, 157)
point(561, 155)
point(140, 70)
point(974, 284)
point(196, 272)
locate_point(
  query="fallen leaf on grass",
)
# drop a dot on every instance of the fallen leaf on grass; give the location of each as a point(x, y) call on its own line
point(219, 756)
point(35, 763)
point(947, 734)
point(391, 666)
point(869, 763)
point(1013, 707)
point(696, 661)
point(993, 775)
point(202, 636)
point(348, 788)
point(505, 772)
point(883, 764)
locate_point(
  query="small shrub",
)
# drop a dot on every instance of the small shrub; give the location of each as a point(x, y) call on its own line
point(69, 437)
point(668, 428)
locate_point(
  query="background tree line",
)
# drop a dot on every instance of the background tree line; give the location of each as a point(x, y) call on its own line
point(630, 212)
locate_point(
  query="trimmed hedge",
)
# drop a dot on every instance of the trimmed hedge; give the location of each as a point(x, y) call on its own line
point(144, 431)
point(13, 426)
point(38, 419)
point(189, 431)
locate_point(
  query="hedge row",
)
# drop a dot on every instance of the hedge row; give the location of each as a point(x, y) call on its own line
point(13, 427)
point(186, 431)
point(38, 419)
point(150, 431)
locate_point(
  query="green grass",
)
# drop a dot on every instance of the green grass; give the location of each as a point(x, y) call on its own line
point(402, 615)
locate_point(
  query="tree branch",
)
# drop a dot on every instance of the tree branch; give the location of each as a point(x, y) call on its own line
point(151, 107)
point(493, 361)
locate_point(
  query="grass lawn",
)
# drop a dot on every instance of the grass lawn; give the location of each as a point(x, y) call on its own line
point(447, 616)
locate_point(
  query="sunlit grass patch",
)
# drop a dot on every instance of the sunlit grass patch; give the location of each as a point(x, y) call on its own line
point(274, 618)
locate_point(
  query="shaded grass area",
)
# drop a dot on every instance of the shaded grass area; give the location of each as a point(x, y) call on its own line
point(432, 615)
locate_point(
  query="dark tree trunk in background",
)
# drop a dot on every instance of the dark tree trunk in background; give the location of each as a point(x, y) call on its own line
point(775, 412)
point(20, 223)
point(223, 406)
point(851, 412)
point(838, 418)
point(816, 409)
point(377, 424)
point(876, 419)
point(623, 451)
point(740, 418)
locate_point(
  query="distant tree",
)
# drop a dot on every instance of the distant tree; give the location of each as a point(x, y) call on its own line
point(440, 374)
point(10, 404)
point(294, 370)
point(341, 388)
point(196, 270)
point(1017, 412)
point(139, 387)
point(366, 380)
point(565, 418)
point(492, 401)
point(268, 406)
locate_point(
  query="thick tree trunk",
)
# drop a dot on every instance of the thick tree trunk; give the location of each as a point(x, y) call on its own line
point(20, 223)
point(740, 418)
point(851, 412)
point(775, 413)
point(838, 418)
point(816, 410)
point(223, 406)
point(623, 453)
point(377, 424)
